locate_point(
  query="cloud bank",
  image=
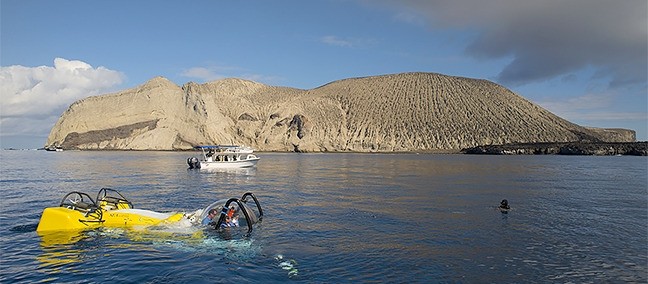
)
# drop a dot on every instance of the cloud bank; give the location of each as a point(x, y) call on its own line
point(33, 98)
point(546, 39)
point(593, 109)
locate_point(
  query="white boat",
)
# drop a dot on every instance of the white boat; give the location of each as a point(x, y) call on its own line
point(223, 157)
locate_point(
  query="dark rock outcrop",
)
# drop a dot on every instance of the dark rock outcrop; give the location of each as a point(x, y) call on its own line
point(99, 137)
point(570, 148)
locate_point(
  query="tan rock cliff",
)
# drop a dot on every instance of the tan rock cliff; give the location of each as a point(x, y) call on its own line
point(399, 112)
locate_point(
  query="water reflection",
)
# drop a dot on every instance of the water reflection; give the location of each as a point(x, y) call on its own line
point(54, 239)
point(70, 249)
point(59, 250)
point(54, 260)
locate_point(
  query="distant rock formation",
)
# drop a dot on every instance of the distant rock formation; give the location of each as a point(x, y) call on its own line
point(565, 148)
point(399, 112)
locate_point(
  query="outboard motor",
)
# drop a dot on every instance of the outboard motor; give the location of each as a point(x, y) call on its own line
point(193, 163)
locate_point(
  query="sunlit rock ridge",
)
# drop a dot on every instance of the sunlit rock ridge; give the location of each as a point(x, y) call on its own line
point(389, 113)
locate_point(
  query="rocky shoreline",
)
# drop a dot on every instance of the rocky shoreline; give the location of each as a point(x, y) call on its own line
point(566, 148)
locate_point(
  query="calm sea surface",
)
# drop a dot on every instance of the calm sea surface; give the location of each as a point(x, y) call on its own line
point(338, 218)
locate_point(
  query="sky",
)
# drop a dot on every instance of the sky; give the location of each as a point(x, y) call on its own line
point(584, 60)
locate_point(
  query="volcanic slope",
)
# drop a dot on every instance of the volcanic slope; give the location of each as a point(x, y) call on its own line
point(399, 112)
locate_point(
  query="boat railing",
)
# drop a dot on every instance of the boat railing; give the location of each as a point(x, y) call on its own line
point(225, 209)
point(83, 203)
point(109, 198)
point(256, 201)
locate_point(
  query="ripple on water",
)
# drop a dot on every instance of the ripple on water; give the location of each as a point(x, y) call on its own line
point(404, 218)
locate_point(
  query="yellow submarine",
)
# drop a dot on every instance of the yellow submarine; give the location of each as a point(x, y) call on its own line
point(78, 211)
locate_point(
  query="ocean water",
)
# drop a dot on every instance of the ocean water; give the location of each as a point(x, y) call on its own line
point(337, 218)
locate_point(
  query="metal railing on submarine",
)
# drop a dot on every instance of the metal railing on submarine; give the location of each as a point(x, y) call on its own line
point(241, 204)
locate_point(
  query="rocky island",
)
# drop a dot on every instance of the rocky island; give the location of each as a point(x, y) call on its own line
point(565, 148)
point(422, 112)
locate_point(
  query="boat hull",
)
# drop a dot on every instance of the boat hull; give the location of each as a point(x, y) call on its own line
point(229, 164)
point(61, 218)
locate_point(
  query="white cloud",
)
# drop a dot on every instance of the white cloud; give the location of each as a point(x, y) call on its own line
point(346, 42)
point(336, 41)
point(202, 73)
point(38, 95)
point(212, 73)
point(591, 107)
point(265, 79)
point(585, 102)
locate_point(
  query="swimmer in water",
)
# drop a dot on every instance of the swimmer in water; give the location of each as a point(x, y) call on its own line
point(504, 207)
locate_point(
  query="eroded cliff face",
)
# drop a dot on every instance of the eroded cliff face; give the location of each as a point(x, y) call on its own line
point(152, 116)
point(400, 112)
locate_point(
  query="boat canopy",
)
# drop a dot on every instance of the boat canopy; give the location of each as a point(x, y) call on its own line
point(216, 147)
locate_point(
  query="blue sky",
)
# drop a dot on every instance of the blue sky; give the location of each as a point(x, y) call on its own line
point(584, 60)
